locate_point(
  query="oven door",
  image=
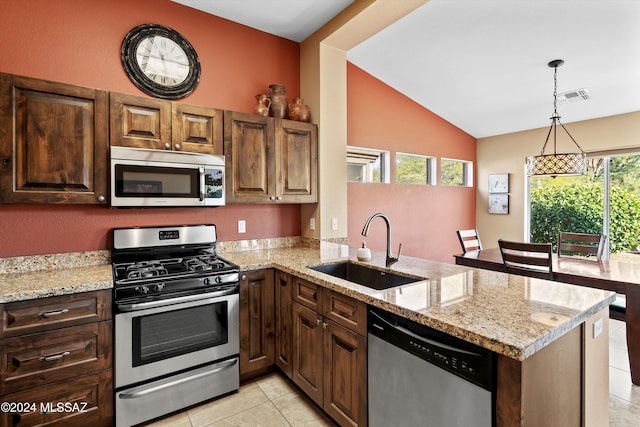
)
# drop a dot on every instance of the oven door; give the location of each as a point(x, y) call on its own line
point(166, 337)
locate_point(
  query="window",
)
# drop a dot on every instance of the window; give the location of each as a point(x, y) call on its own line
point(604, 200)
point(367, 165)
point(456, 173)
point(415, 169)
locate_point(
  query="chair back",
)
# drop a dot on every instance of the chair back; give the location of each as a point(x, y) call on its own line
point(581, 244)
point(527, 259)
point(469, 240)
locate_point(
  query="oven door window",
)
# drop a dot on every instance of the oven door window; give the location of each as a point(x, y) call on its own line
point(156, 181)
point(173, 333)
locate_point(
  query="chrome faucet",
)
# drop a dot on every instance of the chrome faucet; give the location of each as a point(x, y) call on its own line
point(365, 230)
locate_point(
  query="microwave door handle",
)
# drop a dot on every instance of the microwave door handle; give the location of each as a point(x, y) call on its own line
point(201, 170)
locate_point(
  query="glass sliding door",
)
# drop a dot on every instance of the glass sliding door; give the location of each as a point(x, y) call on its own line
point(605, 200)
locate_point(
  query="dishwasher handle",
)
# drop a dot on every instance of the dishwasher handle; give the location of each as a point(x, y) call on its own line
point(404, 331)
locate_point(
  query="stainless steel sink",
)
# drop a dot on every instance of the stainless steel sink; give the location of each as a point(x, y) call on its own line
point(364, 275)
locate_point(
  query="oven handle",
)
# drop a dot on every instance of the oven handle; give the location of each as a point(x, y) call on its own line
point(219, 367)
point(172, 301)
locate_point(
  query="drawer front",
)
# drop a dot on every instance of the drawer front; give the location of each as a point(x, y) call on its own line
point(346, 311)
point(45, 314)
point(307, 293)
point(39, 359)
point(82, 401)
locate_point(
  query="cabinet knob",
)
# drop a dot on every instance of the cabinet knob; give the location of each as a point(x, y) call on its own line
point(279, 198)
point(318, 321)
point(271, 198)
point(6, 162)
point(101, 199)
point(167, 146)
point(244, 277)
point(324, 325)
point(176, 146)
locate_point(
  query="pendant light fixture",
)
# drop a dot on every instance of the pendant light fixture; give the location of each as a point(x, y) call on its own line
point(557, 163)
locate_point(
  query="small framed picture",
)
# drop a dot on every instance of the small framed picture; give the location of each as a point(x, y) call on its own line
point(499, 204)
point(499, 183)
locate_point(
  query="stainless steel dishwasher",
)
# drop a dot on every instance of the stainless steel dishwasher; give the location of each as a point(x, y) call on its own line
point(422, 377)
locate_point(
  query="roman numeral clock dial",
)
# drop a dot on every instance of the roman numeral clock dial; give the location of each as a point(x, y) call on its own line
point(160, 61)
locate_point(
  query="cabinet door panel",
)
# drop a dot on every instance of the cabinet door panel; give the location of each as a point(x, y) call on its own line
point(284, 350)
point(39, 359)
point(53, 142)
point(96, 391)
point(345, 370)
point(307, 293)
point(297, 148)
point(140, 122)
point(248, 145)
point(197, 129)
point(257, 334)
point(307, 351)
point(38, 315)
point(346, 311)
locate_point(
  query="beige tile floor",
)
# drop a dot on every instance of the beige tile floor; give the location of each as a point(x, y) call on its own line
point(273, 401)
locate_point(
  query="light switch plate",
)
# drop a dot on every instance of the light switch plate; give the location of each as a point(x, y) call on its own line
point(242, 226)
point(312, 224)
point(334, 223)
point(597, 328)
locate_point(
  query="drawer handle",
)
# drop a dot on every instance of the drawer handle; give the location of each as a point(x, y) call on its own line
point(48, 314)
point(54, 357)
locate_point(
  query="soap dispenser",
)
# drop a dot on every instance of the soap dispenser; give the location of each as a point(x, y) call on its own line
point(364, 254)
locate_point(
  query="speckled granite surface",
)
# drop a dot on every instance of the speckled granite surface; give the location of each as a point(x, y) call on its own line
point(41, 276)
point(511, 315)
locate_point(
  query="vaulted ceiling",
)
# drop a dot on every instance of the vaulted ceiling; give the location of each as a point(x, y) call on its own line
point(482, 64)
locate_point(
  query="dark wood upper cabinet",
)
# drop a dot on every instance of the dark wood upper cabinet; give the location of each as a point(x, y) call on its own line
point(270, 160)
point(53, 142)
point(141, 122)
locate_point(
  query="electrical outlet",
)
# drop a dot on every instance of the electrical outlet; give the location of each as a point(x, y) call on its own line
point(597, 328)
point(334, 223)
point(242, 226)
point(312, 224)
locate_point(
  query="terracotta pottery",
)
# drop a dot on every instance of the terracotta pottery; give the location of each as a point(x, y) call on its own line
point(298, 111)
point(262, 108)
point(278, 96)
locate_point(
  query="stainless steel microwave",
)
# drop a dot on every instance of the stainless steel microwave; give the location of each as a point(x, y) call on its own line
point(157, 178)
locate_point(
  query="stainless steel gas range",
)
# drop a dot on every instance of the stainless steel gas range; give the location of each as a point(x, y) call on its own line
point(176, 320)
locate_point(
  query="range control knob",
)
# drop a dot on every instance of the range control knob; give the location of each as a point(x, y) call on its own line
point(144, 289)
point(159, 287)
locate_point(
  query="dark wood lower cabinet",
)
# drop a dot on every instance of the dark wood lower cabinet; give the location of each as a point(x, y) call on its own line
point(84, 401)
point(56, 361)
point(307, 352)
point(330, 365)
point(257, 317)
point(345, 375)
point(284, 318)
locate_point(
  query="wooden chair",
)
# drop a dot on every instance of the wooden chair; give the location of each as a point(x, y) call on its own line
point(527, 259)
point(581, 244)
point(469, 240)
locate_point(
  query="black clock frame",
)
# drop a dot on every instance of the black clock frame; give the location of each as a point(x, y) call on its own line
point(131, 67)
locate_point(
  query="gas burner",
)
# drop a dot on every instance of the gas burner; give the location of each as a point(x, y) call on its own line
point(145, 269)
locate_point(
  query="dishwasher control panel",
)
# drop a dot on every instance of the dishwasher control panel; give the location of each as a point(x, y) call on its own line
point(469, 361)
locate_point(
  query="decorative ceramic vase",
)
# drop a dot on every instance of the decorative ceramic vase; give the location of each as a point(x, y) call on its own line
point(278, 96)
point(298, 111)
point(262, 108)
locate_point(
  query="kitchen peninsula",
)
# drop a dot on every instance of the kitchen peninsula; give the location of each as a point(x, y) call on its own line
point(552, 367)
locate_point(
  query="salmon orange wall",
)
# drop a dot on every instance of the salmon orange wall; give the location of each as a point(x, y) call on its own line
point(423, 218)
point(78, 42)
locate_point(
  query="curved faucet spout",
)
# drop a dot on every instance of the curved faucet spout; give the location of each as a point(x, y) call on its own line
point(365, 230)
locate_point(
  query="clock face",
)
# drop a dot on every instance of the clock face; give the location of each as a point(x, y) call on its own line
point(160, 62)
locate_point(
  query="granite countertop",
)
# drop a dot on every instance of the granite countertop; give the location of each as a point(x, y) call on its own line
point(41, 276)
point(511, 315)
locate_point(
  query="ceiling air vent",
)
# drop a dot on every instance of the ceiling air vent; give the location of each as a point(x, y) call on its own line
point(573, 96)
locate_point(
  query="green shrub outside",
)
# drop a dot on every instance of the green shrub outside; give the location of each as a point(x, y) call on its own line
point(578, 207)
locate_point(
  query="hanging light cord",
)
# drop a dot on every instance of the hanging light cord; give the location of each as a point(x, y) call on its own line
point(555, 117)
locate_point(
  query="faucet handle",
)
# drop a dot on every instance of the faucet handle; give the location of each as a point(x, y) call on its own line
point(399, 249)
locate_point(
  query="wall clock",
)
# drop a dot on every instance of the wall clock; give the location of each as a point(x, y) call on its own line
point(160, 61)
